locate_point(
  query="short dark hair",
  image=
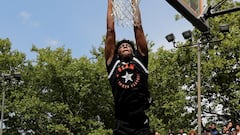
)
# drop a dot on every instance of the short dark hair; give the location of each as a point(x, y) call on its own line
point(125, 41)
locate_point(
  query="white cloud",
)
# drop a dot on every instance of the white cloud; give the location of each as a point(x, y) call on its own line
point(52, 43)
point(27, 19)
point(24, 16)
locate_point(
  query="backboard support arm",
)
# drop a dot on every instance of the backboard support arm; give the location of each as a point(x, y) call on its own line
point(208, 14)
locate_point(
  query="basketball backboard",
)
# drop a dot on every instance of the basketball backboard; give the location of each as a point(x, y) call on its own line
point(193, 11)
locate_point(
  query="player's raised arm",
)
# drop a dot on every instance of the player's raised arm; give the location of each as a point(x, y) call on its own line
point(110, 35)
point(138, 30)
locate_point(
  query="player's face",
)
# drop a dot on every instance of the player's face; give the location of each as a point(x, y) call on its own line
point(125, 50)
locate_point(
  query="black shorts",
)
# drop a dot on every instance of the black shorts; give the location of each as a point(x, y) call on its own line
point(139, 127)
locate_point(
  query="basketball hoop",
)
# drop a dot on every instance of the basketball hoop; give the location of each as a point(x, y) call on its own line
point(123, 12)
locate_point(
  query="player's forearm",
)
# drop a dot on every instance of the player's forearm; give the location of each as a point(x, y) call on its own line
point(136, 14)
point(138, 30)
point(110, 34)
point(110, 17)
point(137, 20)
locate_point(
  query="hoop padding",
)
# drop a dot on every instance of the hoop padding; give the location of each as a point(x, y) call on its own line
point(123, 12)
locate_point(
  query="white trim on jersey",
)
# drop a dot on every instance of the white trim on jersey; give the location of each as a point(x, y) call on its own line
point(112, 70)
point(135, 59)
point(140, 63)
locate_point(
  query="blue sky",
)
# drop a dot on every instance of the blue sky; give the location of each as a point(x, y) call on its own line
point(79, 24)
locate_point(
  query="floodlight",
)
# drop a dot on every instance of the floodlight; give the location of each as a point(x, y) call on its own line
point(187, 34)
point(6, 77)
point(224, 28)
point(17, 75)
point(170, 37)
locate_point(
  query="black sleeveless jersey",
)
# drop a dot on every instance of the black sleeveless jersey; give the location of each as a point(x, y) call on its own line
point(129, 81)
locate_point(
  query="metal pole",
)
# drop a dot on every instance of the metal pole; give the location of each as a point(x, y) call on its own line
point(3, 97)
point(199, 90)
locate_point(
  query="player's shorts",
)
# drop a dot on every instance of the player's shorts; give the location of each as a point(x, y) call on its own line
point(138, 127)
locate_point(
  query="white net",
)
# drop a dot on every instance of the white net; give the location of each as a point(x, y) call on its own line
point(123, 12)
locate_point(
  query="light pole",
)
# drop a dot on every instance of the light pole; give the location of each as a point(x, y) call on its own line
point(188, 36)
point(6, 79)
point(199, 90)
point(2, 113)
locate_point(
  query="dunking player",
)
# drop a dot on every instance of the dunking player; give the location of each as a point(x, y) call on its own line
point(128, 74)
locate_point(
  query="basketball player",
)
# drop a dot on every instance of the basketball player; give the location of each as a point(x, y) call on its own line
point(128, 75)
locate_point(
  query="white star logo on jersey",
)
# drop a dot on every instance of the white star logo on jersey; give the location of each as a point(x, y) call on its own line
point(127, 77)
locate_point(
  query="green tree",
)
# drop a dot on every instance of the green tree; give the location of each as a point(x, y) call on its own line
point(221, 67)
point(72, 96)
point(60, 95)
point(10, 62)
point(219, 73)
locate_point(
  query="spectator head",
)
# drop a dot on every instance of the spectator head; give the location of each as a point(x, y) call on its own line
point(238, 126)
point(213, 125)
point(192, 132)
point(157, 133)
point(224, 129)
point(230, 124)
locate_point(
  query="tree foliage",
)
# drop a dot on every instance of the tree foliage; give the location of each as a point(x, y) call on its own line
point(63, 95)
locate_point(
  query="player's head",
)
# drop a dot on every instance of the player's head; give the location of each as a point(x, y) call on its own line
point(125, 49)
